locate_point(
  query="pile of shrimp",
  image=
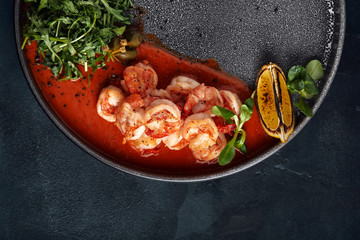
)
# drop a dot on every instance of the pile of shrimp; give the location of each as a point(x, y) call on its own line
point(178, 116)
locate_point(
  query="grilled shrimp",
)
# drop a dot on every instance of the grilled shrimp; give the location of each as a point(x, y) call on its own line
point(156, 94)
point(146, 145)
point(200, 131)
point(160, 93)
point(130, 117)
point(109, 98)
point(145, 142)
point(140, 79)
point(212, 152)
point(202, 99)
point(180, 87)
point(175, 141)
point(162, 118)
point(231, 101)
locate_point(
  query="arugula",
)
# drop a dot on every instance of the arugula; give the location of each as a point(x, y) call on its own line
point(228, 153)
point(302, 80)
point(71, 33)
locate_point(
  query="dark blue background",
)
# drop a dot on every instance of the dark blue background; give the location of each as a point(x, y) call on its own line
point(51, 189)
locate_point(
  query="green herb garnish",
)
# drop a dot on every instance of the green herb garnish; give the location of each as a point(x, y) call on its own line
point(71, 33)
point(302, 80)
point(228, 153)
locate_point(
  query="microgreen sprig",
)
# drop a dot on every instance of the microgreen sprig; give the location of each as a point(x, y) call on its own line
point(228, 153)
point(71, 33)
point(302, 80)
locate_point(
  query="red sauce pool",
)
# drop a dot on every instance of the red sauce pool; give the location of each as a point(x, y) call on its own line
point(75, 103)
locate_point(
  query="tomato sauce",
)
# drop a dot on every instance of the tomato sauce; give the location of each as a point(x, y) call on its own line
point(75, 103)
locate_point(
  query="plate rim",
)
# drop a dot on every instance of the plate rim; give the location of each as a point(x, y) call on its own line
point(97, 154)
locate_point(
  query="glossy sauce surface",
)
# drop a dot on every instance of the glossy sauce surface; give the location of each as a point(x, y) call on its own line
point(75, 103)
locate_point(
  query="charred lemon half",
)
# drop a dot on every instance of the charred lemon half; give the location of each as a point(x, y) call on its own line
point(273, 102)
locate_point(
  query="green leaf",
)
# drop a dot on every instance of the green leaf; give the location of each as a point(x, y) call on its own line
point(223, 112)
point(119, 31)
point(242, 148)
point(315, 69)
point(245, 114)
point(304, 107)
point(290, 88)
point(310, 88)
point(249, 103)
point(69, 6)
point(227, 154)
point(246, 110)
point(42, 4)
point(115, 12)
point(306, 95)
point(296, 72)
point(71, 49)
point(296, 85)
point(296, 79)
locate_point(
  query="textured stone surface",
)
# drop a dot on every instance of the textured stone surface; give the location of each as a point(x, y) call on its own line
point(241, 35)
point(51, 189)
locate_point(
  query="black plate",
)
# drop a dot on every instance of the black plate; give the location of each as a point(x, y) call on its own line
point(242, 36)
